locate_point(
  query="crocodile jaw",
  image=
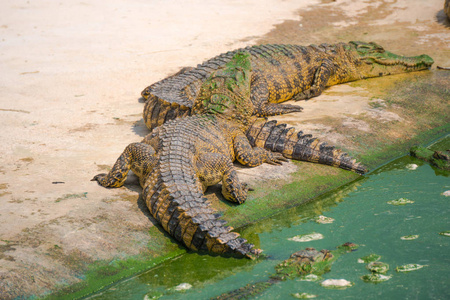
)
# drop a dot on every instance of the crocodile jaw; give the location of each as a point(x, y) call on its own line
point(372, 60)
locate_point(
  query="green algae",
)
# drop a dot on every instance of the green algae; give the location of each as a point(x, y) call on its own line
point(266, 202)
point(369, 258)
point(300, 264)
point(418, 99)
point(378, 267)
point(375, 278)
point(439, 159)
point(100, 274)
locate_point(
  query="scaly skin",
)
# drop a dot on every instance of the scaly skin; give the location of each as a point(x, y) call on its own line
point(279, 73)
point(299, 146)
point(180, 159)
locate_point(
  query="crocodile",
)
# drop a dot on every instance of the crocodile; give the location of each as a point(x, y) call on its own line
point(177, 161)
point(279, 73)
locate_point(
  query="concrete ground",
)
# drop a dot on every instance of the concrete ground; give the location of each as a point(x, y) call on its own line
point(71, 76)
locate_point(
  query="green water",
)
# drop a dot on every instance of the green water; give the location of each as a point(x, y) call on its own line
point(362, 216)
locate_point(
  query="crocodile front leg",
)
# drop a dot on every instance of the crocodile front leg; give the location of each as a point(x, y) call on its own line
point(232, 188)
point(320, 81)
point(260, 99)
point(254, 156)
point(138, 157)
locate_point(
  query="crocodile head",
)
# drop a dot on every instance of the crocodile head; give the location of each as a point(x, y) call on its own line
point(372, 60)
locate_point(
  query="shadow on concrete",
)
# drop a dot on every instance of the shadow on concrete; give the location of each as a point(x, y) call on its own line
point(442, 18)
point(139, 128)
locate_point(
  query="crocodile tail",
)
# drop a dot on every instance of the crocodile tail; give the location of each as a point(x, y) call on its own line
point(157, 111)
point(148, 90)
point(175, 198)
point(299, 146)
point(174, 96)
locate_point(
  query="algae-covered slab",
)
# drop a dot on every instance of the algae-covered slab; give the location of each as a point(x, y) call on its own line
point(375, 278)
point(410, 237)
point(409, 267)
point(307, 237)
point(303, 296)
point(183, 287)
point(378, 267)
point(324, 220)
point(438, 158)
point(336, 283)
point(369, 258)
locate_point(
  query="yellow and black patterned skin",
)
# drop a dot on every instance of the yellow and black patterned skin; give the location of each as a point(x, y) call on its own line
point(178, 160)
point(279, 73)
point(299, 146)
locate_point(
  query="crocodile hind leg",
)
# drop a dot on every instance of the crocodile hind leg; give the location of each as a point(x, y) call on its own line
point(213, 168)
point(138, 157)
point(321, 77)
